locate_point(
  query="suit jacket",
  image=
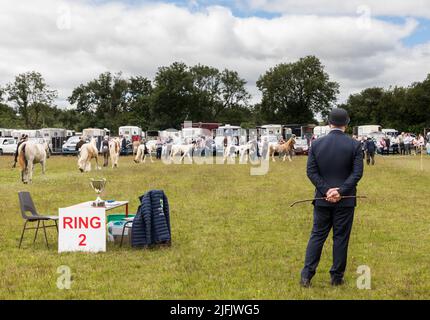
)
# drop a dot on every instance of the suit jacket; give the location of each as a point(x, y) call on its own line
point(335, 161)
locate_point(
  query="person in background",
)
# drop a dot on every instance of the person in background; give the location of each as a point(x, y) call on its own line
point(123, 144)
point(420, 143)
point(401, 138)
point(80, 143)
point(370, 149)
point(387, 144)
point(408, 141)
point(281, 141)
point(159, 145)
point(105, 151)
point(23, 139)
point(382, 146)
point(395, 144)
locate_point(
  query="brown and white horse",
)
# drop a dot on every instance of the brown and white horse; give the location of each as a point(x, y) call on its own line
point(30, 153)
point(114, 151)
point(88, 151)
point(286, 148)
point(151, 147)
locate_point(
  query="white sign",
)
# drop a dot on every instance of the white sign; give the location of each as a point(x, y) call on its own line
point(82, 229)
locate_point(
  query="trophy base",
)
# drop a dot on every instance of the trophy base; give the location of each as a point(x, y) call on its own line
point(99, 203)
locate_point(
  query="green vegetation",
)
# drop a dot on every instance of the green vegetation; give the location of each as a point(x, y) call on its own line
point(234, 235)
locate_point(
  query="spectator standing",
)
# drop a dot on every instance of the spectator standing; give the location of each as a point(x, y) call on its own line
point(159, 146)
point(387, 144)
point(370, 149)
point(401, 138)
point(408, 141)
point(105, 151)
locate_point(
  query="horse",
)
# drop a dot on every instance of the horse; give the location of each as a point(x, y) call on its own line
point(232, 149)
point(88, 151)
point(286, 148)
point(151, 146)
point(184, 149)
point(30, 153)
point(114, 151)
point(136, 145)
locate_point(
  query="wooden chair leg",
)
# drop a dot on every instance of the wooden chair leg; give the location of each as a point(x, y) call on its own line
point(35, 234)
point(22, 234)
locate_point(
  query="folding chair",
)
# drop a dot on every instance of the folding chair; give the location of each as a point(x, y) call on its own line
point(128, 224)
point(27, 205)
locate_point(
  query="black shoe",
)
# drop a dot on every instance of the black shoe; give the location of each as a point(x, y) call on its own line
point(337, 282)
point(305, 283)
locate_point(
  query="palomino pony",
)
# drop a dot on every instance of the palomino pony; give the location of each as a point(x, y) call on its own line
point(285, 148)
point(151, 147)
point(114, 151)
point(30, 153)
point(88, 151)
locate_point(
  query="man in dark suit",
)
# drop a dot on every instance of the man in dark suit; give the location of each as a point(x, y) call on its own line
point(335, 166)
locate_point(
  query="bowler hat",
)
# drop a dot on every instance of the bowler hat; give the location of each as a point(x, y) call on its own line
point(338, 117)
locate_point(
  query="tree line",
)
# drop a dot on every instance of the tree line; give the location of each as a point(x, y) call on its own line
point(297, 92)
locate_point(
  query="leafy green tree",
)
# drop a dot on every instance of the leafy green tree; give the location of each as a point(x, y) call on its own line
point(296, 92)
point(366, 107)
point(107, 100)
point(30, 94)
point(197, 93)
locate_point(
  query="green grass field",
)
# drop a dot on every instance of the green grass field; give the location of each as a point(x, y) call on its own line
point(234, 235)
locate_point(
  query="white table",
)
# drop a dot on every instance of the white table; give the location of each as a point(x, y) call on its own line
point(108, 205)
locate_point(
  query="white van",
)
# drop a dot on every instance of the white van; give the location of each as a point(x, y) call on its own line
point(7, 146)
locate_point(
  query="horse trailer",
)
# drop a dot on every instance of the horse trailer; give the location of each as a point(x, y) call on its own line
point(362, 131)
point(234, 134)
point(30, 133)
point(55, 138)
point(95, 133)
point(131, 133)
point(5, 132)
point(271, 130)
point(320, 131)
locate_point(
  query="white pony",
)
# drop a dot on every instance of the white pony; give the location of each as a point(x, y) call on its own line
point(114, 151)
point(30, 153)
point(88, 151)
point(184, 149)
point(141, 156)
point(231, 150)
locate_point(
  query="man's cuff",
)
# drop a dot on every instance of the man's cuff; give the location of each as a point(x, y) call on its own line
point(342, 191)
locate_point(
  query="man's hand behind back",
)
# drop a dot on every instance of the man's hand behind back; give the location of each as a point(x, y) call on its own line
point(333, 195)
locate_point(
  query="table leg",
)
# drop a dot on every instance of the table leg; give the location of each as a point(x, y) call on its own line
point(126, 210)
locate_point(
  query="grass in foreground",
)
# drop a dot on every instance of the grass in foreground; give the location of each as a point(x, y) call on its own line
point(234, 235)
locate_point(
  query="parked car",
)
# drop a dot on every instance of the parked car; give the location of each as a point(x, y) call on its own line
point(69, 147)
point(7, 146)
point(301, 146)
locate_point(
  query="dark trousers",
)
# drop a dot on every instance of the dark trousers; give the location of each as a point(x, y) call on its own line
point(402, 148)
point(370, 157)
point(326, 218)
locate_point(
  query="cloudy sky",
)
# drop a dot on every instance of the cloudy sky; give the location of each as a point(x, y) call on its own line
point(362, 43)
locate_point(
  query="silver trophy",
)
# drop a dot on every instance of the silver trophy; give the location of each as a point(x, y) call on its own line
point(98, 186)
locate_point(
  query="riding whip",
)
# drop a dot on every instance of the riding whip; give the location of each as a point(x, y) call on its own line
point(324, 198)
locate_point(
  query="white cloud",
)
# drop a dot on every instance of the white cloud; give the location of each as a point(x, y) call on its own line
point(416, 8)
point(72, 49)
